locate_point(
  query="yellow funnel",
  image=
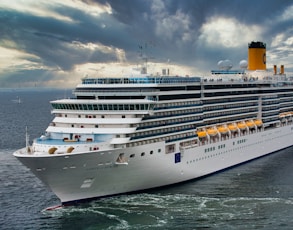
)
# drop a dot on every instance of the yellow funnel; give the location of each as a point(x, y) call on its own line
point(257, 56)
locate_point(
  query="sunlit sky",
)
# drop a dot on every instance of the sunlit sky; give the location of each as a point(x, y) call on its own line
point(56, 43)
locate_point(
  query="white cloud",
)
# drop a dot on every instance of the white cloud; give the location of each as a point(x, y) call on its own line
point(287, 14)
point(37, 8)
point(44, 8)
point(280, 52)
point(228, 32)
point(93, 47)
point(12, 60)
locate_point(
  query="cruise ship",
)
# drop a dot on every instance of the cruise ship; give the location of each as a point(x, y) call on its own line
point(137, 132)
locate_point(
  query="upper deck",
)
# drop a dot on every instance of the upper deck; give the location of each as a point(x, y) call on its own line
point(159, 88)
point(217, 77)
point(170, 80)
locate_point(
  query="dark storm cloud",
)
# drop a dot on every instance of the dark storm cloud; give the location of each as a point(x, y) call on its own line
point(51, 39)
point(261, 12)
point(171, 29)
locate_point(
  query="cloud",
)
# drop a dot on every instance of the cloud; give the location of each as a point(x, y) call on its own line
point(50, 41)
point(227, 32)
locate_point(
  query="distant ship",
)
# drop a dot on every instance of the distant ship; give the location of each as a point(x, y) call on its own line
point(17, 100)
point(128, 134)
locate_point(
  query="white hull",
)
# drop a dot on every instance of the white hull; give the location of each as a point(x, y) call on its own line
point(79, 176)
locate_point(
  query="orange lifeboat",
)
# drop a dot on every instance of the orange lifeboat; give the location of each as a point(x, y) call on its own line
point(282, 115)
point(223, 129)
point(212, 132)
point(242, 125)
point(258, 123)
point(232, 127)
point(250, 124)
point(201, 133)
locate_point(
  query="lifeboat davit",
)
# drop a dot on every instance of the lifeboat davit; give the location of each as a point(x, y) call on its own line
point(201, 134)
point(282, 118)
point(288, 116)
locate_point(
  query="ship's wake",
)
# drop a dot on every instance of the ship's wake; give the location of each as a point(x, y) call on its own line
point(146, 211)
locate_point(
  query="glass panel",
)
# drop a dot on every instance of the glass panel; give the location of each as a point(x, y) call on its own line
point(90, 107)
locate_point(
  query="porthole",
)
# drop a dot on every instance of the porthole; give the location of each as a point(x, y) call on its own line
point(132, 155)
point(151, 152)
point(142, 154)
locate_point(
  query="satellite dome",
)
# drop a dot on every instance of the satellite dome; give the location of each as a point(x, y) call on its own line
point(243, 64)
point(225, 65)
point(220, 64)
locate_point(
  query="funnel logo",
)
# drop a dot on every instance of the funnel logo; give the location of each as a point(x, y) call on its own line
point(264, 59)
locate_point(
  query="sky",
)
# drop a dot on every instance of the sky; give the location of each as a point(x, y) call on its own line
point(57, 43)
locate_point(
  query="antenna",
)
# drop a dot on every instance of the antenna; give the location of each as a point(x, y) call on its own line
point(27, 140)
point(143, 55)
